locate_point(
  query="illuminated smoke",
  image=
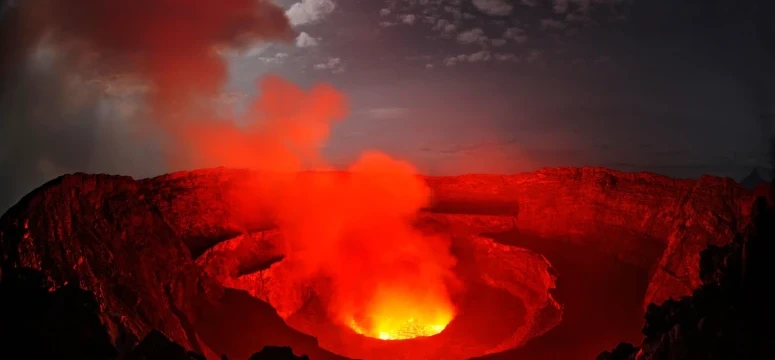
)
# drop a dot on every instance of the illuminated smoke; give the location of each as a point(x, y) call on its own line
point(353, 231)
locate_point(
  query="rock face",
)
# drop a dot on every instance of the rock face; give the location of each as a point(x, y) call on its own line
point(107, 234)
point(134, 242)
point(729, 316)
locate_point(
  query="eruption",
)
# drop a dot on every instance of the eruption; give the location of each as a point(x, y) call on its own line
point(385, 279)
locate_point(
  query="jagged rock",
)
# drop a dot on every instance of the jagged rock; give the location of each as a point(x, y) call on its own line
point(728, 316)
point(156, 345)
point(622, 351)
point(42, 324)
point(277, 353)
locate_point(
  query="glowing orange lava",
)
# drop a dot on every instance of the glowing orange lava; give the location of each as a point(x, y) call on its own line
point(396, 317)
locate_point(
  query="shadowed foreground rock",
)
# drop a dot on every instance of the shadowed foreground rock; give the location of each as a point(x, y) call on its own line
point(729, 316)
point(65, 324)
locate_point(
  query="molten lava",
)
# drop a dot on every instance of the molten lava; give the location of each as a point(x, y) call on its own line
point(399, 330)
point(404, 316)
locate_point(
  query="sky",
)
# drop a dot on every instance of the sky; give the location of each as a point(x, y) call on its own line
point(677, 87)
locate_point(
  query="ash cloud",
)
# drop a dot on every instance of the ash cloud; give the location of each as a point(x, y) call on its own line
point(52, 121)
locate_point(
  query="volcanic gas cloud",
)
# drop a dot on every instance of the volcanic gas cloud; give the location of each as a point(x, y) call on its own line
point(386, 280)
point(355, 230)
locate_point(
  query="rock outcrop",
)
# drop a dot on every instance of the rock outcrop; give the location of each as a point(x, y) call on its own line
point(106, 235)
point(729, 316)
point(134, 242)
point(65, 324)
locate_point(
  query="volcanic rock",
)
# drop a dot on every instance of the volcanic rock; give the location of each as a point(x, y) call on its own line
point(277, 353)
point(107, 235)
point(729, 316)
point(133, 242)
point(42, 324)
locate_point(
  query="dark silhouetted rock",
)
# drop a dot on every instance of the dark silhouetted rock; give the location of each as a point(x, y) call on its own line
point(729, 316)
point(277, 353)
point(157, 346)
point(622, 351)
point(36, 323)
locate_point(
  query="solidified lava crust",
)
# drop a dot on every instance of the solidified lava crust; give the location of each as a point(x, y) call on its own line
point(504, 302)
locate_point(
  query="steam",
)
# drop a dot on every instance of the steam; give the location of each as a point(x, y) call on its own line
point(356, 230)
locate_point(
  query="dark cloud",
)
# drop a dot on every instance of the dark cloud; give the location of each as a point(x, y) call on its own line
point(53, 121)
point(494, 7)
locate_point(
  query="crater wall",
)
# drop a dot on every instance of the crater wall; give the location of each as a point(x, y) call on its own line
point(92, 229)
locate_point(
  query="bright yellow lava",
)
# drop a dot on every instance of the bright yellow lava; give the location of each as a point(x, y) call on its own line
point(388, 329)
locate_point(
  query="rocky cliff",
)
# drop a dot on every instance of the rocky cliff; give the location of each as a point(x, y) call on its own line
point(729, 316)
point(134, 242)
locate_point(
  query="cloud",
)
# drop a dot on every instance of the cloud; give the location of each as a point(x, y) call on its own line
point(388, 113)
point(451, 61)
point(334, 64)
point(231, 97)
point(64, 108)
point(309, 11)
point(530, 3)
point(384, 12)
point(507, 58)
point(560, 6)
point(578, 17)
point(493, 7)
point(480, 56)
point(304, 40)
point(408, 19)
point(498, 42)
point(471, 36)
point(445, 26)
point(535, 56)
point(552, 25)
point(516, 34)
point(121, 85)
point(454, 11)
point(274, 60)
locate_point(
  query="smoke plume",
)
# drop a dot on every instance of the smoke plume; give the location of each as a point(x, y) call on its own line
point(53, 115)
point(354, 231)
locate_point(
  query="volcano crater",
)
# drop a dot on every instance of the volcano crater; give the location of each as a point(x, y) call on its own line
point(500, 303)
point(618, 240)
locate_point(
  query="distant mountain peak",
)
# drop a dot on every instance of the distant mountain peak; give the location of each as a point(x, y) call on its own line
point(755, 178)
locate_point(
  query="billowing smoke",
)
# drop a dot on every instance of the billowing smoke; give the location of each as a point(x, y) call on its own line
point(53, 112)
point(354, 231)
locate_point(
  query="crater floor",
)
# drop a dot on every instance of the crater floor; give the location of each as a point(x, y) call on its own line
point(505, 300)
